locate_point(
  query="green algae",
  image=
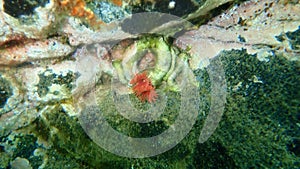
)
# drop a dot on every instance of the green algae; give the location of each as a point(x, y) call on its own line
point(48, 78)
point(133, 129)
point(258, 128)
point(106, 11)
point(5, 91)
point(18, 145)
point(260, 117)
point(71, 141)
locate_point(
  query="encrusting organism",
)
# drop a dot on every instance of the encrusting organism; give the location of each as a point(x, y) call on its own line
point(143, 88)
point(78, 8)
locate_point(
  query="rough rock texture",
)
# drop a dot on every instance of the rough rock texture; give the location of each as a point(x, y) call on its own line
point(254, 25)
point(52, 58)
point(33, 51)
point(37, 26)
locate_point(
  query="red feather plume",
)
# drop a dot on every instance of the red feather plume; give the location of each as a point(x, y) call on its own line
point(143, 88)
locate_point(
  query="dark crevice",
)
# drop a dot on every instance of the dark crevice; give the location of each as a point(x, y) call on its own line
point(17, 8)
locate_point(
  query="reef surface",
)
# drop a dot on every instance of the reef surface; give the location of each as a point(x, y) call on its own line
point(229, 70)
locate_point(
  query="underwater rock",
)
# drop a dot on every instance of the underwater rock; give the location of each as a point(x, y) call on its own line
point(19, 8)
point(15, 111)
point(80, 34)
point(205, 7)
point(20, 163)
point(44, 85)
point(10, 93)
point(256, 30)
point(5, 90)
point(33, 26)
point(51, 60)
point(107, 11)
point(33, 51)
point(162, 61)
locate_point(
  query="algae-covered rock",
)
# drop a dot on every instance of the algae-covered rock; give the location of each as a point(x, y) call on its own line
point(53, 110)
point(19, 163)
point(107, 11)
point(258, 125)
point(5, 90)
point(260, 116)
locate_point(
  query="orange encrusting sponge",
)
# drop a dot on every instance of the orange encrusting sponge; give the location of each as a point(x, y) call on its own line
point(78, 8)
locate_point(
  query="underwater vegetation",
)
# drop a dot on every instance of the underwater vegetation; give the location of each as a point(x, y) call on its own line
point(62, 79)
point(259, 125)
point(260, 122)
